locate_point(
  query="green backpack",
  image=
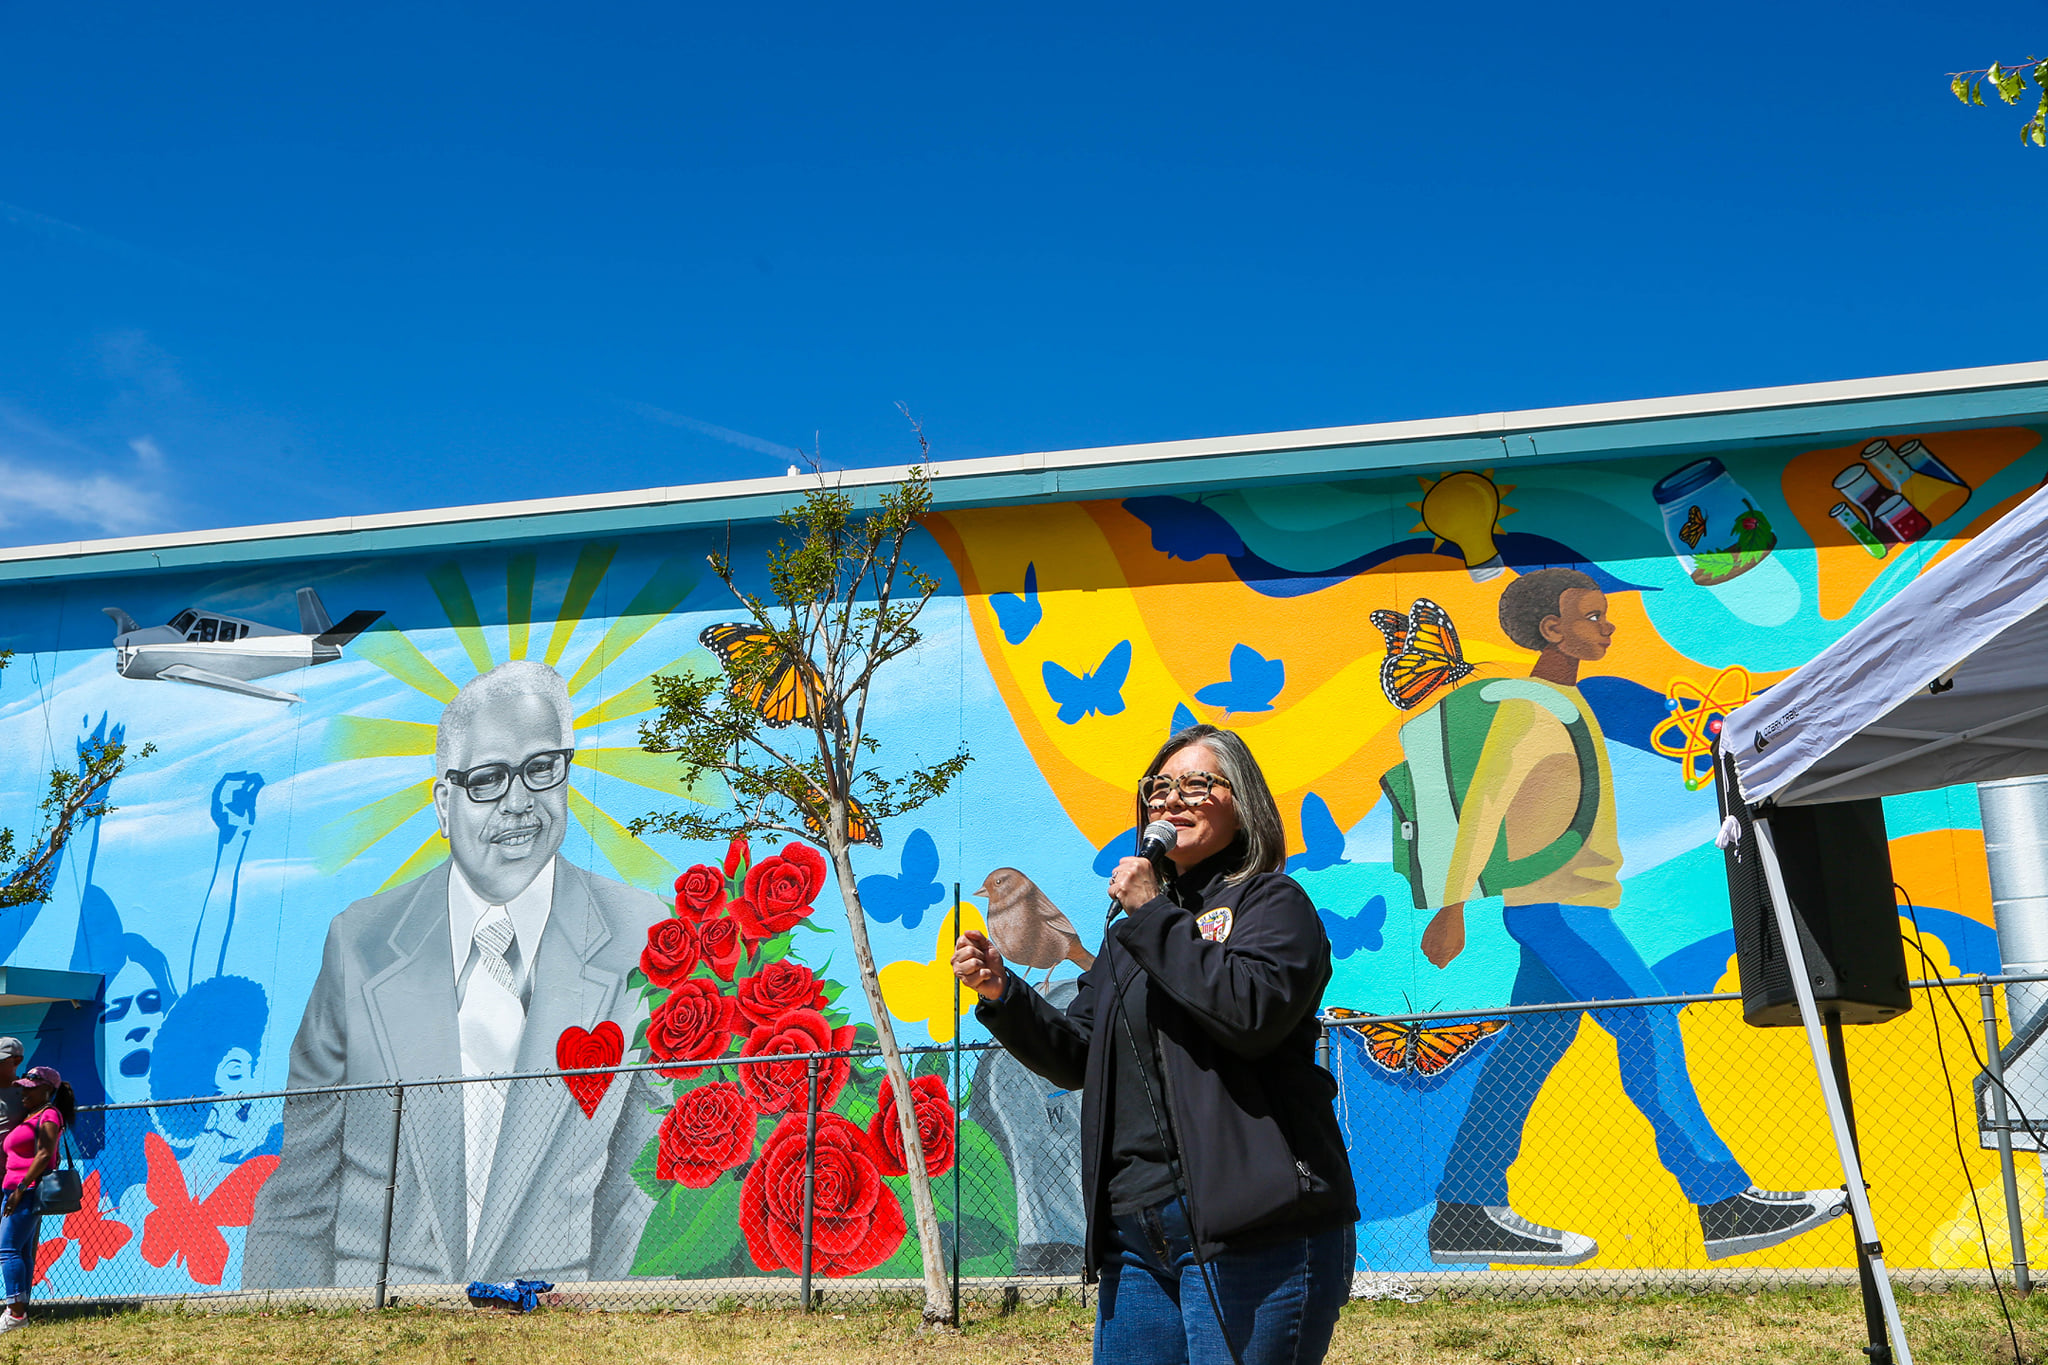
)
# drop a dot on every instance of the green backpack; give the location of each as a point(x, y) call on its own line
point(1427, 790)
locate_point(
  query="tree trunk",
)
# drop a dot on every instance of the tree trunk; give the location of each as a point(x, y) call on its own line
point(938, 1305)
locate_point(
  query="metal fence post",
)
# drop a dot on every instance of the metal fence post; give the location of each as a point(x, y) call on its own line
point(957, 1220)
point(2015, 1227)
point(810, 1172)
point(390, 1192)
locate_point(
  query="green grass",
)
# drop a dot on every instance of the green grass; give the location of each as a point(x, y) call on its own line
point(1801, 1327)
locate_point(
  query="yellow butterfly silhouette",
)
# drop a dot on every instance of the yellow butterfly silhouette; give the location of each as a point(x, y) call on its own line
point(917, 992)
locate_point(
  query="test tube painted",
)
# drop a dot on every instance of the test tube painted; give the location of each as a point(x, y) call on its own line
point(1858, 531)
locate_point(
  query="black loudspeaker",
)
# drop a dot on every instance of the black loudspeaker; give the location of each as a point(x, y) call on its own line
point(1837, 868)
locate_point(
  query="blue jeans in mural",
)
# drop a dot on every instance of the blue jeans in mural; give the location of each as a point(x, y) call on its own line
point(1575, 952)
point(1280, 1300)
point(19, 1233)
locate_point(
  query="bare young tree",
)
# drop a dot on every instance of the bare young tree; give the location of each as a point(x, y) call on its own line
point(71, 799)
point(786, 727)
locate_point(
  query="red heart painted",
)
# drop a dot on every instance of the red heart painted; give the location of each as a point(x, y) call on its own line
point(575, 1049)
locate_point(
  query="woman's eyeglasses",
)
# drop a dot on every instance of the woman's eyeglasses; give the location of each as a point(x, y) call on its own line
point(1194, 788)
point(488, 782)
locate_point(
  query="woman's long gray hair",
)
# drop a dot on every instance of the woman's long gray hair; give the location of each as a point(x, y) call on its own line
point(1258, 817)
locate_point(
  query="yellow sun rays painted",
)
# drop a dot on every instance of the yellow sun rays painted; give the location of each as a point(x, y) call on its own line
point(347, 738)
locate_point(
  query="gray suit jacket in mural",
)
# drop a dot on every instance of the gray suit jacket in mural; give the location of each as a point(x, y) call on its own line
point(561, 1204)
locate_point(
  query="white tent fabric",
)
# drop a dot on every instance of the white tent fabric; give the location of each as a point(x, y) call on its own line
point(1859, 720)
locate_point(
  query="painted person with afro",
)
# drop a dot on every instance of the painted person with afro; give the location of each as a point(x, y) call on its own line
point(1541, 754)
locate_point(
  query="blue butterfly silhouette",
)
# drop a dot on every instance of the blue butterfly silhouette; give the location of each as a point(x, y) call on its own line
point(905, 898)
point(1182, 719)
point(1324, 841)
point(1019, 616)
point(1099, 691)
point(1254, 681)
point(1361, 930)
point(1124, 846)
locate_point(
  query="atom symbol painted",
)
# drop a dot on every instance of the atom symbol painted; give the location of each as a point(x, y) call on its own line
point(1694, 723)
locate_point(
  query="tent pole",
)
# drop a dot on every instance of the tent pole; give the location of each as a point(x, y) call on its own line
point(1824, 1071)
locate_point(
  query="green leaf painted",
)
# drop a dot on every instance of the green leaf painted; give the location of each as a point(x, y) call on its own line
point(693, 1234)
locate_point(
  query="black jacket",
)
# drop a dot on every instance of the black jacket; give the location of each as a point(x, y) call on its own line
point(1236, 1024)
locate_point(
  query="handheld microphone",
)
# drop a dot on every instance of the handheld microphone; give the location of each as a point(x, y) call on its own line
point(1157, 841)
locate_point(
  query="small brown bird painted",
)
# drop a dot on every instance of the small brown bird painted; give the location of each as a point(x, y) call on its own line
point(1027, 927)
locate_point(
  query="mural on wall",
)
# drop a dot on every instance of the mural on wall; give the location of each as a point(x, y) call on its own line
point(1485, 708)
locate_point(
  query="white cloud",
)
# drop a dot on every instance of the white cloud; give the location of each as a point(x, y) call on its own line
point(54, 479)
point(100, 502)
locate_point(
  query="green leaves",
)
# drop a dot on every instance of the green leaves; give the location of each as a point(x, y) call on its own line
point(70, 799)
point(2008, 83)
point(692, 1234)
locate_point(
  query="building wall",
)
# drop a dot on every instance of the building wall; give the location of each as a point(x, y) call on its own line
point(1068, 640)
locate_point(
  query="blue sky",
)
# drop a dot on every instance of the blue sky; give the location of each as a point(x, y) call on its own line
point(264, 263)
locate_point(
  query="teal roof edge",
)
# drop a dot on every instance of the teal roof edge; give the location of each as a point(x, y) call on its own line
point(1814, 413)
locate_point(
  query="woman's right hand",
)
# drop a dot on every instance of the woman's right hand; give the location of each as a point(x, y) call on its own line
point(979, 966)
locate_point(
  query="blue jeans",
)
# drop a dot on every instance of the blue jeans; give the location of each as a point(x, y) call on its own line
point(1280, 1300)
point(19, 1233)
point(1575, 952)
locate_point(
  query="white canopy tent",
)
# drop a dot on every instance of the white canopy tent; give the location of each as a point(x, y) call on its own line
point(1945, 683)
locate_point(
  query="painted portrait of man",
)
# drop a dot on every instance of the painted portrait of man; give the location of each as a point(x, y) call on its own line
point(478, 967)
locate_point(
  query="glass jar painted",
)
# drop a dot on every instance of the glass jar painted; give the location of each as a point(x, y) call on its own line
point(1714, 526)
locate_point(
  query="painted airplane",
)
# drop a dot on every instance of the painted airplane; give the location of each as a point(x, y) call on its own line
point(209, 649)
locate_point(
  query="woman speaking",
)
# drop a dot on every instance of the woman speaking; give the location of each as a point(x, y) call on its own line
point(1219, 1196)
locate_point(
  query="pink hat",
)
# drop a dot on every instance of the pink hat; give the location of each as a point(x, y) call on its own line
point(40, 1075)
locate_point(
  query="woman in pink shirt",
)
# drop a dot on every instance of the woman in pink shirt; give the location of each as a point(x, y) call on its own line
point(31, 1150)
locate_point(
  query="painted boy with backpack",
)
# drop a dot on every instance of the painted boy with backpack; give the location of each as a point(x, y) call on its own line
point(1507, 792)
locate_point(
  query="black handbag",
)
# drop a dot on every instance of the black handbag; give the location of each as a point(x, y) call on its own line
point(60, 1190)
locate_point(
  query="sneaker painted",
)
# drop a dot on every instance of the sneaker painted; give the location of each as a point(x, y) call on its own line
point(1461, 1234)
point(1756, 1219)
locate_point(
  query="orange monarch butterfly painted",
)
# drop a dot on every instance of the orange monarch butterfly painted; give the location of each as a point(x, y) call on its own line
point(778, 697)
point(860, 826)
point(1425, 1050)
point(1423, 653)
point(1695, 527)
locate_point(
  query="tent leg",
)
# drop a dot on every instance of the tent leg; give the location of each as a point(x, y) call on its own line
point(1816, 1040)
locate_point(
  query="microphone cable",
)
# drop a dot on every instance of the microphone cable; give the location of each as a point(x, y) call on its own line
point(1955, 1121)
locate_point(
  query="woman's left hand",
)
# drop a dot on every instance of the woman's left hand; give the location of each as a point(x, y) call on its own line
point(13, 1199)
point(1133, 883)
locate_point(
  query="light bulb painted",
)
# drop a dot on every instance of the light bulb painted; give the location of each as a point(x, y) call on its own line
point(1464, 508)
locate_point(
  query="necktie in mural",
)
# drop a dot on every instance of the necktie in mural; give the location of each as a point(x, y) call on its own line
point(490, 1016)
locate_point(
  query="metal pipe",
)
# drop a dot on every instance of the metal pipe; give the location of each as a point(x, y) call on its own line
point(1879, 1350)
point(810, 1172)
point(2015, 818)
point(2015, 1224)
point(957, 1029)
point(1845, 1145)
point(390, 1192)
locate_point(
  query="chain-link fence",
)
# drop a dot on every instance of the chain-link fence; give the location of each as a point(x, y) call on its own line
point(670, 1184)
point(1652, 1145)
point(1607, 1137)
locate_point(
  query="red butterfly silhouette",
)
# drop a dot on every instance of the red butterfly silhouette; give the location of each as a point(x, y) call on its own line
point(98, 1236)
point(47, 1255)
point(181, 1226)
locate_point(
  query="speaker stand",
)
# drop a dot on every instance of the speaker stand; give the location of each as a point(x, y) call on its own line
point(1879, 1350)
